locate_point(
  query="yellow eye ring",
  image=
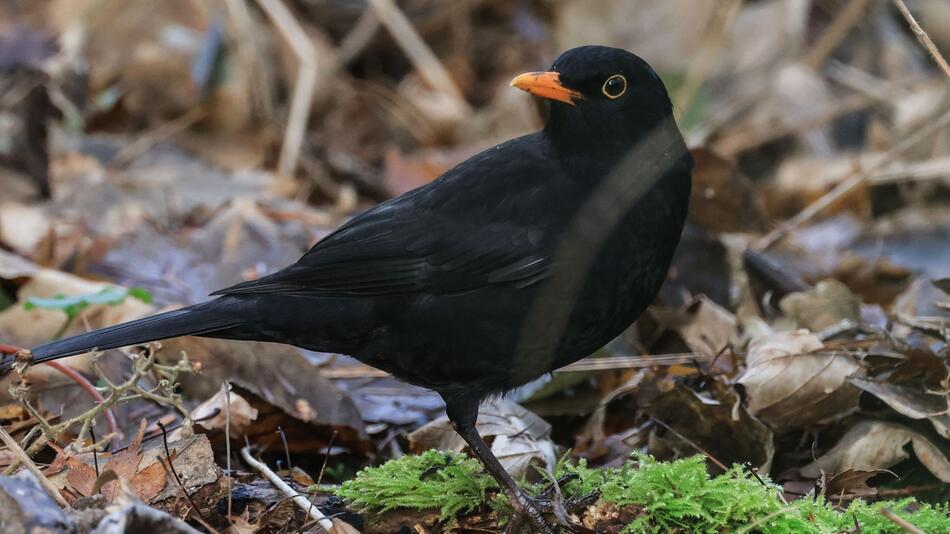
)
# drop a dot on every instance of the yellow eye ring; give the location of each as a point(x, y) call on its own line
point(615, 86)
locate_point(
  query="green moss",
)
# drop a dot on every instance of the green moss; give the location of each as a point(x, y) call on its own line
point(673, 496)
point(448, 482)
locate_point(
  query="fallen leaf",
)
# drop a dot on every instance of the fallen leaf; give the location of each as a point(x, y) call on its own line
point(827, 304)
point(910, 402)
point(125, 463)
point(710, 328)
point(874, 445)
point(719, 425)
point(791, 383)
point(849, 481)
point(520, 438)
point(80, 475)
point(242, 414)
point(281, 385)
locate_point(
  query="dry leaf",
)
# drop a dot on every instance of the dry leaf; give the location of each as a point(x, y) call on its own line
point(521, 438)
point(910, 402)
point(828, 303)
point(849, 481)
point(874, 445)
point(125, 463)
point(242, 413)
point(791, 384)
point(711, 327)
point(81, 476)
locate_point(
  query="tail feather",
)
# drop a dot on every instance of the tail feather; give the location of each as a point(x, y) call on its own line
point(201, 319)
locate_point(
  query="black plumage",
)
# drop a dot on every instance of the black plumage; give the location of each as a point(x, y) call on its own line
point(524, 258)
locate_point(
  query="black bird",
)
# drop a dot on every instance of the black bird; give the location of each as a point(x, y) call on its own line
point(524, 258)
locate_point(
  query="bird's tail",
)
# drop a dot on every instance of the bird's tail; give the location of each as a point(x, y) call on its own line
point(201, 319)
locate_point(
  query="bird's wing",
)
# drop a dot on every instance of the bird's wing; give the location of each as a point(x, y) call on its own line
point(438, 239)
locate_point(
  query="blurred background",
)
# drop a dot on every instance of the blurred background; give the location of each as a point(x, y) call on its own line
point(182, 146)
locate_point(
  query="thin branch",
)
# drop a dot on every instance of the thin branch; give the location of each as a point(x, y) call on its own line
point(28, 463)
point(900, 521)
point(304, 85)
point(92, 392)
point(298, 499)
point(923, 37)
point(839, 28)
point(418, 51)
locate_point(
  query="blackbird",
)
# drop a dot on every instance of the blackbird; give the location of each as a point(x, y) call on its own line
point(522, 259)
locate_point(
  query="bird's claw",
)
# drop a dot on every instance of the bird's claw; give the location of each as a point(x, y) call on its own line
point(549, 501)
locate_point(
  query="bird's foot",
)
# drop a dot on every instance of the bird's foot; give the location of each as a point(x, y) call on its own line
point(549, 501)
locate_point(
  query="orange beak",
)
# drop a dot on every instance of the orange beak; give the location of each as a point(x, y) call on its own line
point(546, 85)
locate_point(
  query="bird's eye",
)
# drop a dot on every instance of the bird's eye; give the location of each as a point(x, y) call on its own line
point(615, 86)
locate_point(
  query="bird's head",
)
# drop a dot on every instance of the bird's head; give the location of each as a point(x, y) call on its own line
point(600, 95)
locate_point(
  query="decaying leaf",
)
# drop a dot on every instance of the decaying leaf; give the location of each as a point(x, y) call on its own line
point(213, 413)
point(849, 481)
point(520, 438)
point(710, 329)
point(828, 303)
point(281, 385)
point(874, 445)
point(720, 426)
point(791, 383)
point(910, 402)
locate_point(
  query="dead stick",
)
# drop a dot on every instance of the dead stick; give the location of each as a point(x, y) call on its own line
point(28, 463)
point(298, 499)
point(900, 521)
point(418, 51)
point(923, 37)
point(304, 85)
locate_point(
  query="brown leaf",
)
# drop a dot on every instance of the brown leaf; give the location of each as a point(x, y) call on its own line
point(241, 416)
point(149, 482)
point(281, 385)
point(827, 304)
point(849, 481)
point(714, 421)
point(791, 383)
point(81, 476)
point(910, 402)
point(874, 445)
point(125, 463)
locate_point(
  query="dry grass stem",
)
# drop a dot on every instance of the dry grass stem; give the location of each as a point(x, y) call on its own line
point(304, 85)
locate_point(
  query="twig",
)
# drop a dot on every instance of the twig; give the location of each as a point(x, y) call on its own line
point(171, 466)
point(358, 37)
point(418, 51)
point(844, 20)
point(94, 393)
point(86, 386)
point(304, 85)
point(923, 37)
point(227, 438)
point(856, 178)
point(586, 365)
point(283, 439)
point(298, 499)
point(901, 522)
point(712, 458)
point(323, 468)
point(28, 463)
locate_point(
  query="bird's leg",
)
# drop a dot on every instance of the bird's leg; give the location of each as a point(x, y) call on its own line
point(463, 416)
